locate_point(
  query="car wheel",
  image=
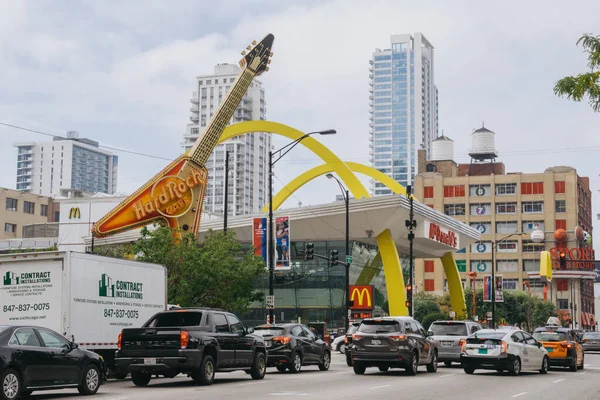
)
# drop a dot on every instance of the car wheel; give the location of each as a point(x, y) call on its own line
point(349, 361)
point(515, 368)
point(384, 369)
point(296, 364)
point(342, 349)
point(11, 384)
point(432, 367)
point(469, 370)
point(414, 365)
point(544, 369)
point(140, 379)
point(359, 369)
point(281, 368)
point(448, 363)
point(324, 366)
point(259, 368)
point(90, 381)
point(206, 373)
point(573, 366)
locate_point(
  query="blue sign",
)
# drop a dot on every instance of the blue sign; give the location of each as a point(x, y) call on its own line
point(481, 247)
point(481, 228)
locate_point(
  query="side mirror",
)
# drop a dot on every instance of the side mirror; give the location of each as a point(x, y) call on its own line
point(429, 333)
point(539, 345)
point(250, 330)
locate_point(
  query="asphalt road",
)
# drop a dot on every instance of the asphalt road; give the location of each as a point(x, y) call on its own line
point(340, 382)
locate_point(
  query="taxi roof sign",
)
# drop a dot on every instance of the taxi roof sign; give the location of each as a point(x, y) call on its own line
point(553, 321)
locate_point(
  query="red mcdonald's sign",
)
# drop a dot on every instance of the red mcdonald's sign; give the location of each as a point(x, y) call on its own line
point(362, 297)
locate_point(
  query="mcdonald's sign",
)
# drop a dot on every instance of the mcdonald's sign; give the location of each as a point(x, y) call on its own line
point(74, 212)
point(362, 296)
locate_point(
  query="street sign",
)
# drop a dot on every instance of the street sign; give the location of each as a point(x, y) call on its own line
point(348, 259)
point(489, 315)
point(452, 314)
point(475, 318)
point(270, 302)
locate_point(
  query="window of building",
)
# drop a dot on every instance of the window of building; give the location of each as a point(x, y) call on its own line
point(482, 227)
point(531, 265)
point(479, 190)
point(11, 204)
point(506, 227)
point(428, 192)
point(530, 226)
point(454, 191)
point(28, 207)
point(562, 304)
point(532, 207)
point(506, 208)
point(561, 224)
point(559, 187)
point(461, 265)
point(507, 247)
point(560, 206)
point(507, 266)
point(530, 247)
point(504, 189)
point(510, 284)
point(481, 209)
point(534, 282)
point(11, 228)
point(562, 285)
point(454, 209)
point(44, 210)
point(532, 188)
point(429, 266)
point(429, 285)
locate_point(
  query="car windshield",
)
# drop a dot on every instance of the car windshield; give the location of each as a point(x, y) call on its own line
point(379, 326)
point(550, 336)
point(448, 329)
point(176, 318)
point(587, 335)
point(268, 331)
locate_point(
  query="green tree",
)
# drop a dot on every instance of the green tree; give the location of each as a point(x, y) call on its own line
point(576, 88)
point(424, 308)
point(213, 273)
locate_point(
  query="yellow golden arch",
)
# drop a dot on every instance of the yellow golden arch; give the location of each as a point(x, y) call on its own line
point(345, 170)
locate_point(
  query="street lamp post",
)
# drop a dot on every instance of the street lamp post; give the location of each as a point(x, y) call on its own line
point(346, 196)
point(271, 253)
point(494, 244)
point(411, 224)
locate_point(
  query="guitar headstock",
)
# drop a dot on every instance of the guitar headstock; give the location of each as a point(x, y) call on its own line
point(259, 55)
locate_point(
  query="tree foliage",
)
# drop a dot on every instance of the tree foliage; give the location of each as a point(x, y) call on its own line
point(214, 273)
point(576, 88)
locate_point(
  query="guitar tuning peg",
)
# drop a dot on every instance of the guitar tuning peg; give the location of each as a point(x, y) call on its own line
point(244, 52)
point(271, 54)
point(254, 43)
point(249, 48)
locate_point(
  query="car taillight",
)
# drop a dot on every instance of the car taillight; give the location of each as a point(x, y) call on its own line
point(464, 346)
point(356, 336)
point(397, 337)
point(184, 339)
point(585, 340)
point(346, 339)
point(462, 342)
point(119, 340)
point(504, 347)
point(282, 339)
point(566, 345)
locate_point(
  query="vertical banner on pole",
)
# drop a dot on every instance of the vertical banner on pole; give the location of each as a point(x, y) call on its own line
point(499, 286)
point(259, 238)
point(282, 243)
point(487, 289)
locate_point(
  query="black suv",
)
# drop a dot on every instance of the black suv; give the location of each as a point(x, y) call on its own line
point(290, 346)
point(196, 342)
point(348, 341)
point(393, 342)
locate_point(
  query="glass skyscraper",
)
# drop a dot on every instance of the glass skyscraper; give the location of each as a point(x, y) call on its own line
point(403, 108)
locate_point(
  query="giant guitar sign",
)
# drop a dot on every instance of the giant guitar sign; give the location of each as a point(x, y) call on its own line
point(176, 194)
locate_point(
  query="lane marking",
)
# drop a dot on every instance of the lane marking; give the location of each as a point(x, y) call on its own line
point(288, 394)
point(443, 376)
point(379, 387)
point(558, 380)
point(339, 373)
point(519, 394)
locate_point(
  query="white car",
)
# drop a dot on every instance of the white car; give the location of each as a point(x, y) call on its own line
point(501, 350)
point(338, 344)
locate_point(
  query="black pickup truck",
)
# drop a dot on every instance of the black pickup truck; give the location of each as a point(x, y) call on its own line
point(196, 342)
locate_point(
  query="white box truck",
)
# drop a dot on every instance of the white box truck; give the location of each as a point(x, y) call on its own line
point(87, 298)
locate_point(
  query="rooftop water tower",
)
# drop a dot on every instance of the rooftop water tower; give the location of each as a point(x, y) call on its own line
point(484, 147)
point(442, 149)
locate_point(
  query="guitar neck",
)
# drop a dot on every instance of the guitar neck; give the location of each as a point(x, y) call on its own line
point(205, 145)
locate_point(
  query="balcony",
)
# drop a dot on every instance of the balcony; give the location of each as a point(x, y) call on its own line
point(195, 118)
point(194, 99)
point(195, 108)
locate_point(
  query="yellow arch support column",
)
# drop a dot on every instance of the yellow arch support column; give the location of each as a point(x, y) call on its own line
point(457, 295)
point(394, 280)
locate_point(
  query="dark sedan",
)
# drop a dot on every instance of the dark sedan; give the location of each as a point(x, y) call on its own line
point(290, 346)
point(34, 358)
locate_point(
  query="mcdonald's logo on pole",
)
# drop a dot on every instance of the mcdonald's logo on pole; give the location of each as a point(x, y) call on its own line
point(74, 212)
point(362, 297)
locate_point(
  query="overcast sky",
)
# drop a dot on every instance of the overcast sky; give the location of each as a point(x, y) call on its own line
point(122, 72)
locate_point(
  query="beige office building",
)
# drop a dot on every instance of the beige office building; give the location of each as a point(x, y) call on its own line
point(500, 204)
point(19, 209)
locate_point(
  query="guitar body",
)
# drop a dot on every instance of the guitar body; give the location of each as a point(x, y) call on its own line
point(168, 197)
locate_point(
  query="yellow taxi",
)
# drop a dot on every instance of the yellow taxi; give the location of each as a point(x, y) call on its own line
point(562, 344)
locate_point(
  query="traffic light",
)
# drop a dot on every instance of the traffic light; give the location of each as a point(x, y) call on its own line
point(408, 295)
point(334, 258)
point(563, 260)
point(309, 251)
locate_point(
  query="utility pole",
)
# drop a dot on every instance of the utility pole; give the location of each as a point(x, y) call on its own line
point(411, 224)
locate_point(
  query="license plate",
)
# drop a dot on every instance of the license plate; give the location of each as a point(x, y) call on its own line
point(447, 344)
point(482, 351)
point(550, 349)
point(149, 360)
point(375, 341)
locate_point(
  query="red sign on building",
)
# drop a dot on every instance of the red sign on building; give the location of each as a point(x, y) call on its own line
point(362, 297)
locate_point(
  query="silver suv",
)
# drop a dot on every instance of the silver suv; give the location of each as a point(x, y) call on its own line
point(451, 335)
